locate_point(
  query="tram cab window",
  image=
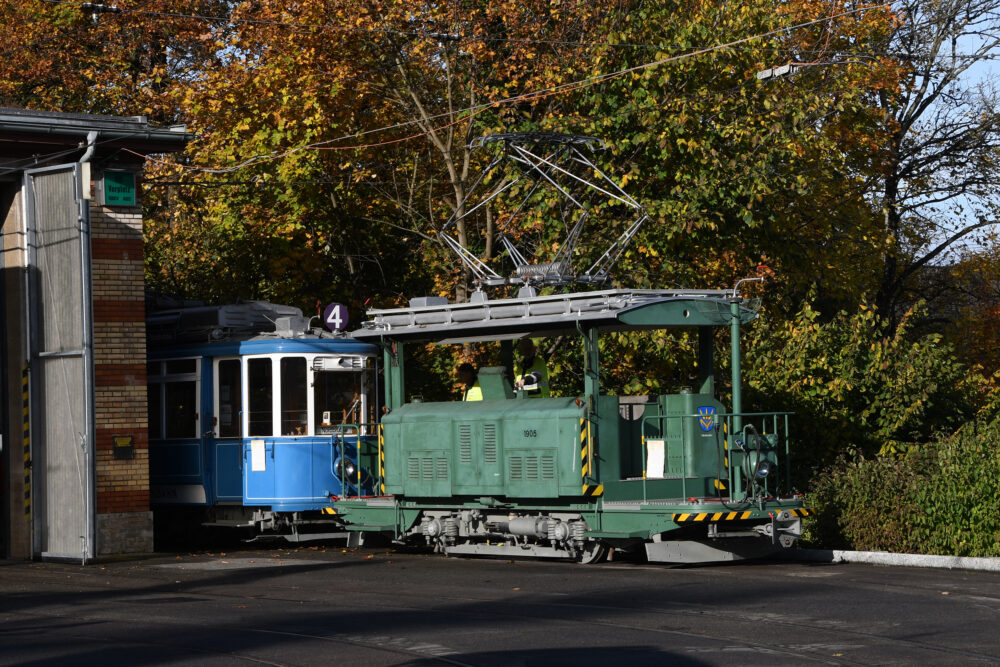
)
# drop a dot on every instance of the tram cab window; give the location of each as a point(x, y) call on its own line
point(230, 398)
point(294, 416)
point(339, 398)
point(260, 391)
point(172, 395)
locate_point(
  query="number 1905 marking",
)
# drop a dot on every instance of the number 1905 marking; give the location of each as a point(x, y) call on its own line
point(530, 433)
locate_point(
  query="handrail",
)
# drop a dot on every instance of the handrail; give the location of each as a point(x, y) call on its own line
point(340, 437)
point(723, 421)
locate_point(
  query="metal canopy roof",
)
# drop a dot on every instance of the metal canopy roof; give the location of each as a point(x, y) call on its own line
point(28, 133)
point(482, 319)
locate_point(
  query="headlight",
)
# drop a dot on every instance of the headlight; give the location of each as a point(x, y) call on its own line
point(346, 469)
point(763, 469)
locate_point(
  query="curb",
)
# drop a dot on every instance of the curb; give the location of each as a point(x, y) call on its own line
point(887, 558)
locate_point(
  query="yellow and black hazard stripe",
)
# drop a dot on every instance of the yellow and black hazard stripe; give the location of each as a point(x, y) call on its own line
point(692, 517)
point(589, 490)
point(329, 510)
point(712, 516)
point(26, 416)
point(722, 484)
point(381, 460)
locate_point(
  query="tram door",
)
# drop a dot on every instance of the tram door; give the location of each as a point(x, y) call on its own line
point(225, 442)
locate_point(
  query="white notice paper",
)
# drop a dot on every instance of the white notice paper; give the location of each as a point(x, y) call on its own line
point(257, 456)
point(654, 459)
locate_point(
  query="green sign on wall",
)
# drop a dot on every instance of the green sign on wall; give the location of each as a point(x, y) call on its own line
point(119, 188)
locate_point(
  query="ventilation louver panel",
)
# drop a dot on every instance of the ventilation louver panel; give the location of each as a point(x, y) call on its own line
point(490, 443)
point(548, 467)
point(465, 444)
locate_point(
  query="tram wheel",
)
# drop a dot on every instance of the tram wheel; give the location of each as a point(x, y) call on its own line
point(593, 552)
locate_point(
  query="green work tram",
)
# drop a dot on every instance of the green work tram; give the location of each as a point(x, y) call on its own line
point(677, 476)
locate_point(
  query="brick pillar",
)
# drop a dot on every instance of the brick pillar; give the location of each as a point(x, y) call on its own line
point(124, 519)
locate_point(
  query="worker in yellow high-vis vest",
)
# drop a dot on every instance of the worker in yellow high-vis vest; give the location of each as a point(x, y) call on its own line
point(467, 375)
point(530, 370)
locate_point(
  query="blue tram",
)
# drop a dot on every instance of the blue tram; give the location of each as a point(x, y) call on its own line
point(257, 420)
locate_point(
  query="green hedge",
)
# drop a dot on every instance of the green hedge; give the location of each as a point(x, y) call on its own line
point(857, 386)
point(943, 498)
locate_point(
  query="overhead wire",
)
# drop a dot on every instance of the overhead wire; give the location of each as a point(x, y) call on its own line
point(729, 93)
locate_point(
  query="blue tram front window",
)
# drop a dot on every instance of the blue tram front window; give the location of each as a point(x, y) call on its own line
point(261, 391)
point(230, 398)
point(337, 399)
point(294, 417)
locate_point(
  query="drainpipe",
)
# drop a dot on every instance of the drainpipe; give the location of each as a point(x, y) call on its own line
point(91, 145)
point(88, 438)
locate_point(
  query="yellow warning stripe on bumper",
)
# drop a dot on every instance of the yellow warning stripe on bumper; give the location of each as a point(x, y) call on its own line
point(592, 490)
point(733, 516)
point(329, 510)
point(710, 516)
point(805, 511)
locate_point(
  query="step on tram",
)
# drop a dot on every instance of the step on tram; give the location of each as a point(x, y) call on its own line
point(257, 420)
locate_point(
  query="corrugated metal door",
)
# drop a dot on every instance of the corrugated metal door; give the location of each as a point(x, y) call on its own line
point(61, 362)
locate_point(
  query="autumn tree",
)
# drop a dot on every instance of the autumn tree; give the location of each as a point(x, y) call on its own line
point(937, 183)
point(736, 171)
point(348, 125)
point(121, 58)
point(972, 310)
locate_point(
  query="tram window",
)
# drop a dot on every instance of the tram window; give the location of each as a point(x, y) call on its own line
point(182, 366)
point(294, 420)
point(181, 409)
point(337, 400)
point(261, 394)
point(230, 398)
point(173, 399)
point(155, 403)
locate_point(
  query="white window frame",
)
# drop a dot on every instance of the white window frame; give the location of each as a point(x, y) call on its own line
point(310, 381)
point(216, 399)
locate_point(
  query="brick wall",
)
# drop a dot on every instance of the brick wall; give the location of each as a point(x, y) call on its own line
point(131, 531)
point(124, 519)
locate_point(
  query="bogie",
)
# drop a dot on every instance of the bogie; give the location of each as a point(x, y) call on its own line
point(502, 533)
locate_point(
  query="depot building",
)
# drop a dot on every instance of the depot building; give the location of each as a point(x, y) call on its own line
point(74, 473)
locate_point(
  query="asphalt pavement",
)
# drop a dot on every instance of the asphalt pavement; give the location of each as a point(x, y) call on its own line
point(333, 606)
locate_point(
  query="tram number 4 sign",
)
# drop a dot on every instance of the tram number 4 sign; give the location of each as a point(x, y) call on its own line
point(335, 317)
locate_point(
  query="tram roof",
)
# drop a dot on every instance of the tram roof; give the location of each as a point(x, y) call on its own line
point(483, 319)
